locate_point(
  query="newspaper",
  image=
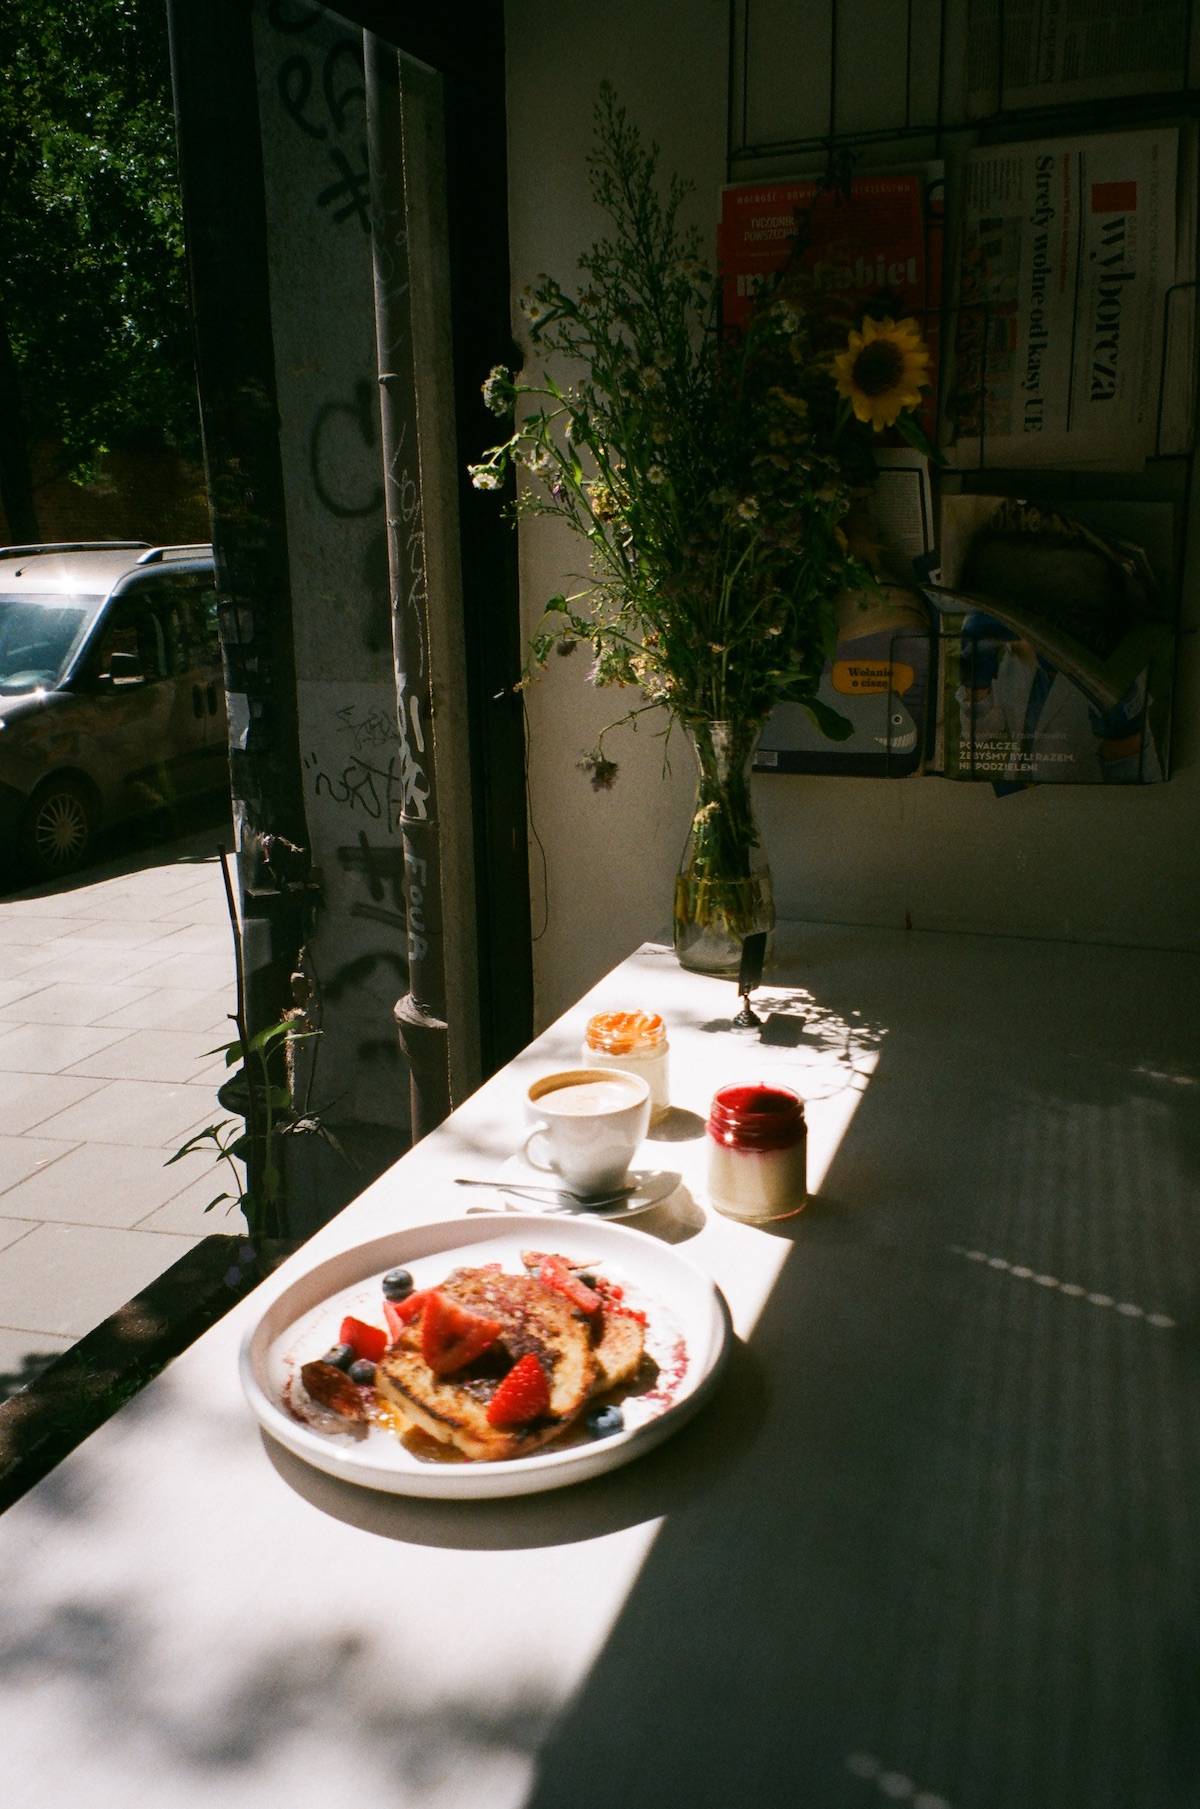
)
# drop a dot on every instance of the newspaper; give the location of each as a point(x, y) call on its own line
point(1069, 263)
point(1057, 51)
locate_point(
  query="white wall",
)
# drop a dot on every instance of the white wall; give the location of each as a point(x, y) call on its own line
point(1076, 862)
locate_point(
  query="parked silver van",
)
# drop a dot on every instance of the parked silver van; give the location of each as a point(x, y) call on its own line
point(112, 702)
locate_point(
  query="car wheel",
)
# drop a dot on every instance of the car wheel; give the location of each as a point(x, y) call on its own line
point(58, 829)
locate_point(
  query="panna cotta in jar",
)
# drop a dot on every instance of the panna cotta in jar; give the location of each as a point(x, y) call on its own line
point(635, 1042)
point(757, 1149)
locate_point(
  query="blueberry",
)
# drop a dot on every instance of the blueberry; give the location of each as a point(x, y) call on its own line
point(362, 1372)
point(602, 1421)
point(397, 1283)
point(341, 1356)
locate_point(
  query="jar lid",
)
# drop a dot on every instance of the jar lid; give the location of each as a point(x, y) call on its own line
point(625, 1032)
point(756, 1117)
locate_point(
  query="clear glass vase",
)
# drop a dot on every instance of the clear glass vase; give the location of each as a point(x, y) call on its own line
point(723, 887)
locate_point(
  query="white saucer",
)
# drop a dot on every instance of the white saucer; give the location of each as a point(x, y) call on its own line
point(648, 1187)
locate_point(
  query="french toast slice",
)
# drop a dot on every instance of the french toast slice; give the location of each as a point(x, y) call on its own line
point(619, 1351)
point(453, 1409)
point(619, 1338)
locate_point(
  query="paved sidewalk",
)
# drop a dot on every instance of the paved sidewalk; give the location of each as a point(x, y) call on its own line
point(112, 988)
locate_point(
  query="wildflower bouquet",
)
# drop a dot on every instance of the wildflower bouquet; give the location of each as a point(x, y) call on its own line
point(710, 478)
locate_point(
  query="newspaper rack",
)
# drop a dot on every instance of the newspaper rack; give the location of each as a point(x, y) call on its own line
point(949, 74)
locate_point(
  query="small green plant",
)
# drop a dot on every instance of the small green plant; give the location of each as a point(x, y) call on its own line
point(262, 1093)
point(266, 1114)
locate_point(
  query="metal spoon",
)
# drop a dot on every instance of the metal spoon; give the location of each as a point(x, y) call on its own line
point(588, 1201)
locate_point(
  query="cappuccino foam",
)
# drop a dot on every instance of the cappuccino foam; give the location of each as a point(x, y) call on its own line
point(587, 1098)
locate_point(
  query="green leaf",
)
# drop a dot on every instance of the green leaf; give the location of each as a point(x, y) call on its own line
point(217, 1201)
point(209, 1135)
point(831, 725)
point(264, 1038)
point(556, 606)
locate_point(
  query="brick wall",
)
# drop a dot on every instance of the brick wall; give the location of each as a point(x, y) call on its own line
point(153, 496)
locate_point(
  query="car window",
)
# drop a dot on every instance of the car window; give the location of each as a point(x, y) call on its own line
point(206, 607)
point(136, 628)
point(38, 635)
point(199, 601)
point(181, 602)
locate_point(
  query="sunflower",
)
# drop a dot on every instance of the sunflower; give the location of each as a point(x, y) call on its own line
point(882, 370)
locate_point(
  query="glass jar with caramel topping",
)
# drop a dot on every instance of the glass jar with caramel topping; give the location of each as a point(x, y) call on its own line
point(635, 1041)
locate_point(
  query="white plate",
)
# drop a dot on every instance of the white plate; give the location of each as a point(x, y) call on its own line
point(301, 1323)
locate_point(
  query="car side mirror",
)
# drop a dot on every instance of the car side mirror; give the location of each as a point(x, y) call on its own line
point(125, 669)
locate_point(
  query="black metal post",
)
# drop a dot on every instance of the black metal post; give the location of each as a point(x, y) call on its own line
point(421, 1014)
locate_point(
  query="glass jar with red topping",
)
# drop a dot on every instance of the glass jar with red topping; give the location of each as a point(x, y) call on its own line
point(635, 1041)
point(757, 1153)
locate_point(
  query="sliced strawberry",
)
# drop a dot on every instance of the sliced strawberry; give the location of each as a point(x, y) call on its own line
point(553, 1272)
point(365, 1340)
point(452, 1335)
point(523, 1395)
point(398, 1313)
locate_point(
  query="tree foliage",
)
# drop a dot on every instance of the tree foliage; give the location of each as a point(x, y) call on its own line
point(94, 321)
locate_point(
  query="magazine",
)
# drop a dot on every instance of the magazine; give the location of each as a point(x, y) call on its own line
point(899, 515)
point(1037, 53)
point(877, 681)
point(1055, 649)
point(1069, 256)
point(873, 247)
point(878, 677)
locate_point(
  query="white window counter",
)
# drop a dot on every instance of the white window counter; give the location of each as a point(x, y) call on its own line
point(934, 1540)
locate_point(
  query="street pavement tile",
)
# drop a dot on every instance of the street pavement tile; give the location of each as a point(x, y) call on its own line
point(24, 929)
point(82, 963)
point(179, 1008)
point(148, 1055)
point(194, 970)
point(207, 907)
point(20, 958)
point(36, 904)
point(160, 884)
point(106, 1184)
point(66, 1279)
point(147, 1113)
point(70, 1003)
point(194, 915)
point(17, 988)
point(21, 1156)
point(23, 1355)
point(185, 1213)
point(27, 1100)
point(12, 1230)
point(115, 898)
point(50, 1048)
point(195, 938)
point(127, 931)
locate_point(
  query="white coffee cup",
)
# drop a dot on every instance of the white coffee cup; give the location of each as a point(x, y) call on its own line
point(588, 1123)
